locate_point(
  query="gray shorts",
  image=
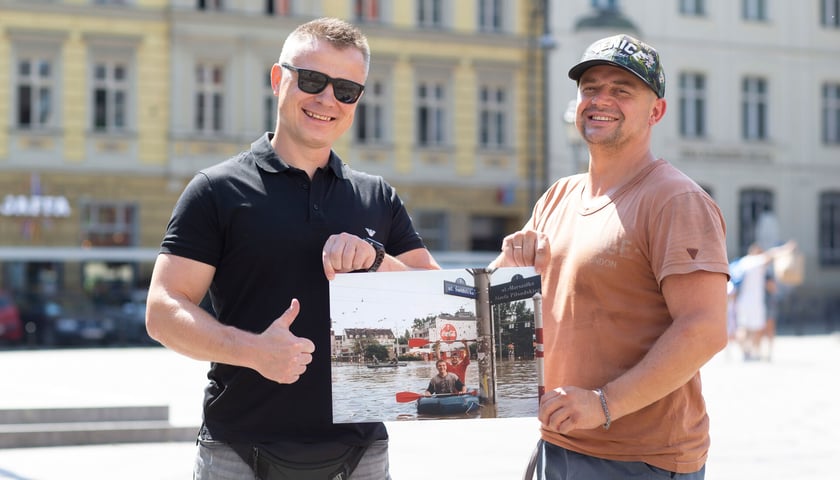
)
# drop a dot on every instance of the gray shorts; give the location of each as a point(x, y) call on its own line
point(217, 461)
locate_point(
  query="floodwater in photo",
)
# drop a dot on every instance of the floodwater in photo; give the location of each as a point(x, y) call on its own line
point(362, 394)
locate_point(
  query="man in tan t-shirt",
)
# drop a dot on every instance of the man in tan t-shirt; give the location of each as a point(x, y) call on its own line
point(634, 269)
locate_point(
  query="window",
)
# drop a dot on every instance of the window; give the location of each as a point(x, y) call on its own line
point(109, 224)
point(829, 241)
point(366, 10)
point(110, 95)
point(210, 4)
point(831, 113)
point(433, 228)
point(429, 13)
point(490, 15)
point(370, 114)
point(35, 87)
point(605, 4)
point(487, 233)
point(830, 13)
point(754, 109)
point(431, 113)
point(696, 8)
point(754, 10)
point(692, 105)
point(269, 105)
point(752, 203)
point(209, 98)
point(493, 125)
point(278, 7)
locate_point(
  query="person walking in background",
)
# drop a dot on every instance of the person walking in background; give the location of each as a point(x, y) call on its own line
point(263, 233)
point(771, 289)
point(633, 261)
point(751, 295)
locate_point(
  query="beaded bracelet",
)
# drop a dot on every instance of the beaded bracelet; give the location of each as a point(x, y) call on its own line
point(603, 398)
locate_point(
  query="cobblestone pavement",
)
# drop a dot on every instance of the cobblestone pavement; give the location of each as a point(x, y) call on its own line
point(770, 420)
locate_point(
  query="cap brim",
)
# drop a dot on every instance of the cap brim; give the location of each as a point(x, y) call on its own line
point(577, 71)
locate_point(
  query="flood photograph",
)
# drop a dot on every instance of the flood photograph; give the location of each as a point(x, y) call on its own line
point(410, 346)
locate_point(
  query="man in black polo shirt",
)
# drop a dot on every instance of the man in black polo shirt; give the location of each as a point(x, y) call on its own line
point(264, 232)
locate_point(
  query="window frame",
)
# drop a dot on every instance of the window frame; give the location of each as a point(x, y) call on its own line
point(372, 120)
point(755, 108)
point(430, 14)
point(279, 8)
point(494, 115)
point(269, 104)
point(367, 11)
point(208, 5)
point(432, 126)
point(209, 97)
point(491, 16)
point(693, 8)
point(692, 105)
point(752, 202)
point(112, 87)
point(754, 10)
point(829, 228)
point(35, 56)
point(433, 227)
point(125, 222)
point(830, 106)
point(830, 13)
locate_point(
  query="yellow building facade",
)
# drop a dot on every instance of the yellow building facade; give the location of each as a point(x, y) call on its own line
point(108, 108)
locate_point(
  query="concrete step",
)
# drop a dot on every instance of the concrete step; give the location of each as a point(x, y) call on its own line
point(21, 428)
point(83, 414)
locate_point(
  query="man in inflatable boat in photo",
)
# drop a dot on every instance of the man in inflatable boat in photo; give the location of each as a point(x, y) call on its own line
point(444, 381)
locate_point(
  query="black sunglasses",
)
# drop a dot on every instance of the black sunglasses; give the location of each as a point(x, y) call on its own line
point(311, 81)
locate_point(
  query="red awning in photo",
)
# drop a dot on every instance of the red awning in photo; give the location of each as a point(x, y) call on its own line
point(417, 342)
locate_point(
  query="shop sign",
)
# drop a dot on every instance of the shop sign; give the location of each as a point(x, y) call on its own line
point(38, 206)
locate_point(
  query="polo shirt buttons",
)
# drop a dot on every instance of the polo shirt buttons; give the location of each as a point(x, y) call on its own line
point(314, 206)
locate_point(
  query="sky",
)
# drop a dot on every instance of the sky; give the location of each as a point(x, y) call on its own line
point(392, 300)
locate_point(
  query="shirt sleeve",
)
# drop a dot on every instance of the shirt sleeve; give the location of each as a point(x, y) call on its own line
point(688, 235)
point(194, 230)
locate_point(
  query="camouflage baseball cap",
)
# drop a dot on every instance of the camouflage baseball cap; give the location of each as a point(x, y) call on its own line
point(628, 53)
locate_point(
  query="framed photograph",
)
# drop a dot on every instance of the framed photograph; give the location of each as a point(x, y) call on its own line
point(408, 345)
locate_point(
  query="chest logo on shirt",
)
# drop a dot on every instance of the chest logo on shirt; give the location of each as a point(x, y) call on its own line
point(692, 252)
point(371, 232)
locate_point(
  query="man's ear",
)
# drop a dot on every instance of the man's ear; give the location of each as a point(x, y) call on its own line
point(276, 73)
point(658, 111)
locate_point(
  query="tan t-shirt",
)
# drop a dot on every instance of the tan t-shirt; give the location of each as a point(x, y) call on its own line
point(603, 308)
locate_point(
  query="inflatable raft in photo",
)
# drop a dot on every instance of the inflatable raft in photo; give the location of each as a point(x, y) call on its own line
point(448, 404)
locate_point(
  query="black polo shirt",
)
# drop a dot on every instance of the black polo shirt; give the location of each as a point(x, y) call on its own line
point(263, 224)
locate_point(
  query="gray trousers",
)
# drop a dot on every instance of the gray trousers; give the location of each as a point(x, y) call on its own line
point(217, 461)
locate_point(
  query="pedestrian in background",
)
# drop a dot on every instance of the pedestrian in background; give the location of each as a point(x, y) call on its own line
point(751, 296)
point(634, 270)
point(263, 233)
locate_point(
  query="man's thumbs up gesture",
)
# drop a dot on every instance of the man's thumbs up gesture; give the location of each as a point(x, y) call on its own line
point(283, 357)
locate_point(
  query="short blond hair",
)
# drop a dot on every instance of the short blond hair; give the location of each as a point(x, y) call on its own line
point(336, 32)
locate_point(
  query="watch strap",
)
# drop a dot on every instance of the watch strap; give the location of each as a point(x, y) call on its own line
point(380, 254)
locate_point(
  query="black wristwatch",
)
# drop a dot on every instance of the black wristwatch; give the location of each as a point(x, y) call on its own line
point(380, 254)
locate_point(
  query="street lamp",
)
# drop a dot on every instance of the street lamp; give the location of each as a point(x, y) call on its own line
point(573, 137)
